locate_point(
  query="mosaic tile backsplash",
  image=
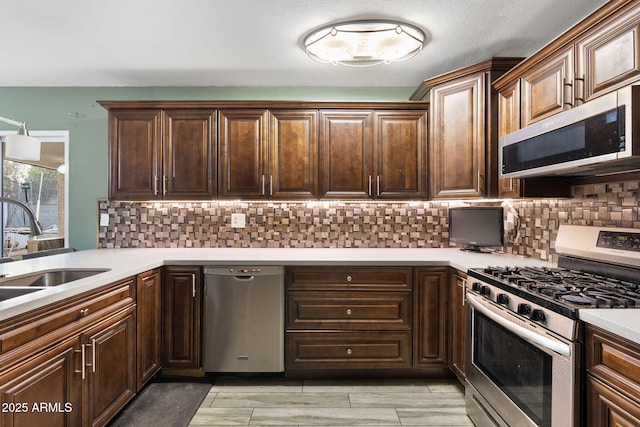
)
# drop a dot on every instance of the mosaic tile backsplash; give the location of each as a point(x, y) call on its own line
point(530, 228)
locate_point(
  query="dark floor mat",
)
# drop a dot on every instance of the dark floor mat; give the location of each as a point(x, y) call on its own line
point(171, 404)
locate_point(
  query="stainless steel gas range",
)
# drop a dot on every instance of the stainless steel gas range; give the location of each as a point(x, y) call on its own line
point(523, 364)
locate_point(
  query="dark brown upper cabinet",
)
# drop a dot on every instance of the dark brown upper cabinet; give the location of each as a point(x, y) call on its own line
point(162, 154)
point(272, 150)
point(243, 153)
point(373, 154)
point(268, 154)
point(463, 140)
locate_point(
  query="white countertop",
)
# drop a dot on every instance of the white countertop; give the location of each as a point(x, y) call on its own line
point(624, 322)
point(124, 263)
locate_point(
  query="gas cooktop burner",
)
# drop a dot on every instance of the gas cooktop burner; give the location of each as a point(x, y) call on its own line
point(575, 289)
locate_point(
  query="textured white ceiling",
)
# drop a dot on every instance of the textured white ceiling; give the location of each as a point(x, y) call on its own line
point(255, 42)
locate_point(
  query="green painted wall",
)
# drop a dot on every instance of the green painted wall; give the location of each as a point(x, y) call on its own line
point(75, 109)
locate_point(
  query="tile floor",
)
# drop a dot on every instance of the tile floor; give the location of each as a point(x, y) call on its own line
point(274, 402)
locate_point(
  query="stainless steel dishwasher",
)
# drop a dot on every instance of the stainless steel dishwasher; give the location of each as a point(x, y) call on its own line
point(244, 319)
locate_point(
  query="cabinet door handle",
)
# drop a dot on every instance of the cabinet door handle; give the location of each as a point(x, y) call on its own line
point(93, 355)
point(349, 351)
point(164, 184)
point(262, 185)
point(193, 285)
point(84, 312)
point(369, 186)
point(579, 90)
point(155, 185)
point(568, 94)
point(82, 361)
point(348, 312)
point(479, 191)
point(349, 278)
point(378, 185)
point(271, 185)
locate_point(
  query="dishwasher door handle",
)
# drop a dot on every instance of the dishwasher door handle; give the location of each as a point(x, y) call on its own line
point(244, 278)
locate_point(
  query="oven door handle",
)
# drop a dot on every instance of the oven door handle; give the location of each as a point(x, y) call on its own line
point(532, 337)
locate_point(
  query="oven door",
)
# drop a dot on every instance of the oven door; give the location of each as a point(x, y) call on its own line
point(518, 373)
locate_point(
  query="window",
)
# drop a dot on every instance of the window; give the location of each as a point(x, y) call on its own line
point(42, 185)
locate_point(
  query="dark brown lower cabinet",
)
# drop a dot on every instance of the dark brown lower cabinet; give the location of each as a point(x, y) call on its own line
point(458, 322)
point(343, 321)
point(613, 380)
point(181, 317)
point(366, 321)
point(149, 320)
point(70, 364)
point(110, 368)
point(608, 407)
point(47, 378)
point(430, 297)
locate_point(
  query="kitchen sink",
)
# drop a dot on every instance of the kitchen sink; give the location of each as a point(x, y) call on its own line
point(8, 293)
point(49, 278)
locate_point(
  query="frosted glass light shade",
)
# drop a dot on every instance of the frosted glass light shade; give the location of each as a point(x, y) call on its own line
point(364, 43)
point(22, 147)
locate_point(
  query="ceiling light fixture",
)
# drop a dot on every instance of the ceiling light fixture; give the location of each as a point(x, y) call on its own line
point(21, 146)
point(364, 43)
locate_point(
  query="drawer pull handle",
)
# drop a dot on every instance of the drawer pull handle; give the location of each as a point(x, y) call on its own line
point(349, 311)
point(349, 278)
point(349, 351)
point(84, 312)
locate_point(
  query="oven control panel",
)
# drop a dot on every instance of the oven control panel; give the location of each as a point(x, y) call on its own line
point(622, 240)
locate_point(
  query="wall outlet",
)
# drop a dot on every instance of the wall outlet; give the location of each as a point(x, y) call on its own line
point(104, 220)
point(510, 224)
point(238, 220)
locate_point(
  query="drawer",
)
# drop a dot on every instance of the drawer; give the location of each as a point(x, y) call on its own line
point(349, 278)
point(349, 310)
point(62, 319)
point(614, 360)
point(329, 350)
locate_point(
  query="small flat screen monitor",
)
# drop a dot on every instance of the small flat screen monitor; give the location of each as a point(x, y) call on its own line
point(476, 228)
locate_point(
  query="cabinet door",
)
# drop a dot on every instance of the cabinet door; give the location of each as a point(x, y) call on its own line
point(400, 155)
point(189, 154)
point(135, 154)
point(547, 88)
point(242, 166)
point(458, 323)
point(110, 349)
point(609, 57)
point(431, 311)
point(148, 319)
point(293, 154)
point(458, 138)
point(48, 379)
point(608, 408)
point(508, 121)
point(181, 323)
point(346, 154)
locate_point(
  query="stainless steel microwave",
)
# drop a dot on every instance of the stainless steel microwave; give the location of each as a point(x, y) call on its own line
point(599, 137)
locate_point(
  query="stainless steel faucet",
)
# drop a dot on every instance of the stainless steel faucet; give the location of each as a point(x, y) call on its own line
point(36, 229)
